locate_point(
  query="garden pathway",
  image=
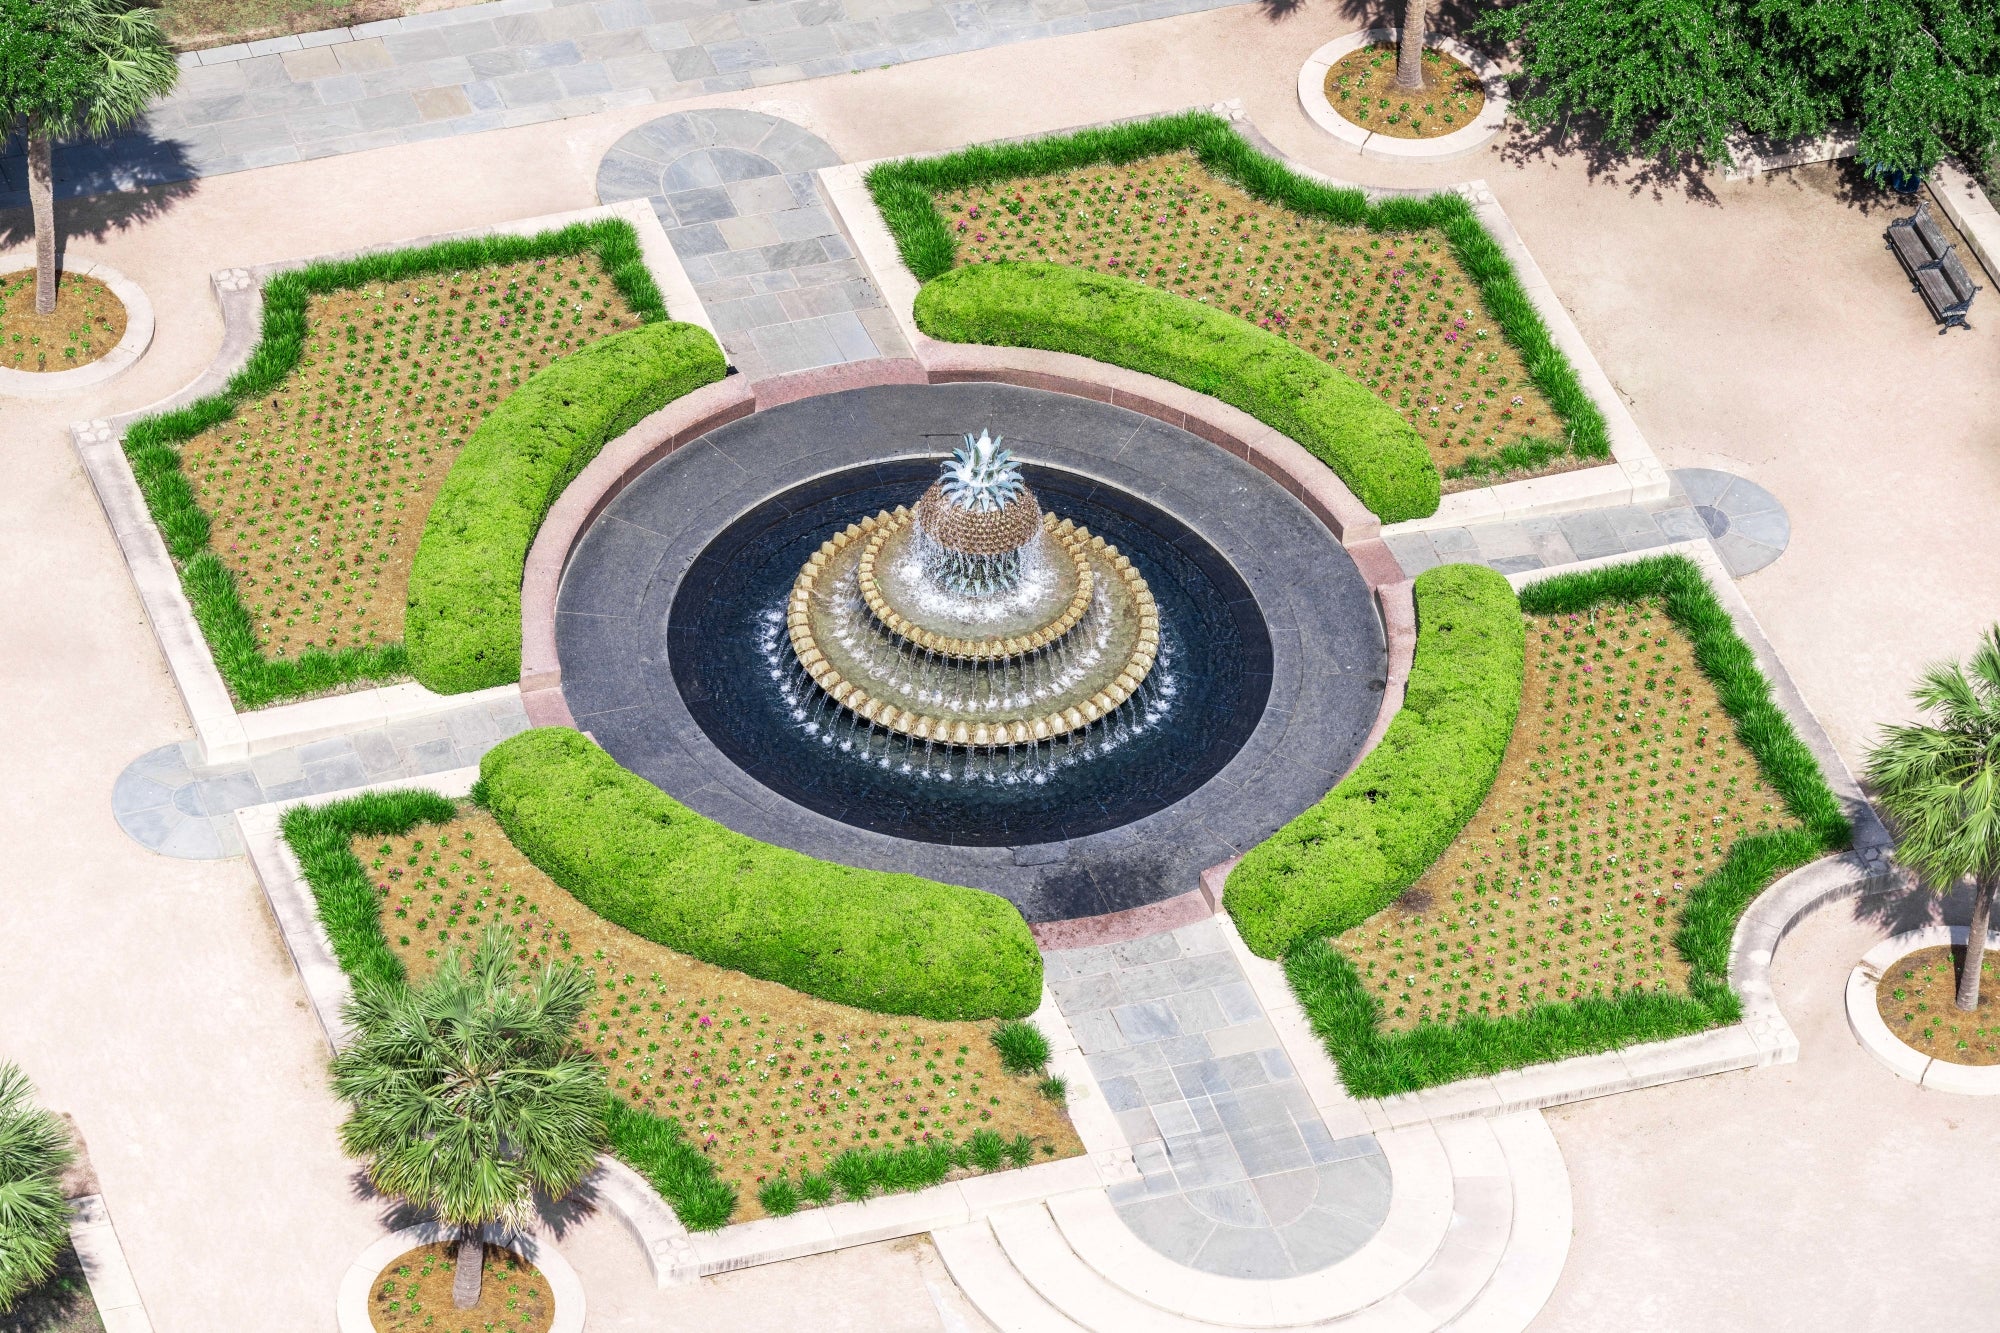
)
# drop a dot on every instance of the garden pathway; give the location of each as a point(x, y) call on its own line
point(169, 802)
point(517, 62)
point(1746, 523)
point(1239, 1174)
point(736, 194)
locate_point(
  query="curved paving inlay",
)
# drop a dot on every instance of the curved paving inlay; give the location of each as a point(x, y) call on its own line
point(1328, 656)
point(735, 192)
point(1749, 527)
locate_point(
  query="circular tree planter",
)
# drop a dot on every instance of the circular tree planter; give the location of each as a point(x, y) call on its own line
point(351, 1306)
point(1874, 1035)
point(1472, 138)
point(138, 337)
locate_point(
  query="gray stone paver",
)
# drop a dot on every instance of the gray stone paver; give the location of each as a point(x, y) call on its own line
point(168, 803)
point(1237, 1172)
point(516, 62)
point(1747, 524)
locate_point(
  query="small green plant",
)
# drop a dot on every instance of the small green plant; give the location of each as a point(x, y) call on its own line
point(857, 1174)
point(779, 1197)
point(1056, 1088)
point(1023, 1049)
point(815, 1188)
point(986, 1150)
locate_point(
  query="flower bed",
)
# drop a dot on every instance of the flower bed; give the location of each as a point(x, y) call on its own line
point(87, 323)
point(1649, 792)
point(414, 1293)
point(1362, 86)
point(1918, 1000)
point(293, 500)
point(1409, 296)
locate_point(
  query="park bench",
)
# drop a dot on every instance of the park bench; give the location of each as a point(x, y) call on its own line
point(1934, 266)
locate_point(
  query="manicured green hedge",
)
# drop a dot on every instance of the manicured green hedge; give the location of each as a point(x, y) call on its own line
point(905, 192)
point(462, 629)
point(1369, 838)
point(1367, 443)
point(153, 445)
point(1346, 1015)
point(885, 942)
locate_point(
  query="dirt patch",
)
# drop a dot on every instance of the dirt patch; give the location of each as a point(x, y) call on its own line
point(764, 1080)
point(414, 1293)
point(317, 494)
point(194, 25)
point(1395, 310)
point(1918, 998)
point(1622, 788)
point(1361, 86)
point(87, 323)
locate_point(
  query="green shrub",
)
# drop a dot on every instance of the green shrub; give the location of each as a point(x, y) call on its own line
point(152, 446)
point(463, 626)
point(34, 1220)
point(778, 1196)
point(906, 193)
point(321, 837)
point(885, 942)
point(1345, 1014)
point(657, 1148)
point(815, 1188)
point(1023, 1049)
point(1369, 838)
point(1055, 1088)
point(1368, 445)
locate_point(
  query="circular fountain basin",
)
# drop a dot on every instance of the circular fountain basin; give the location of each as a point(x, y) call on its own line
point(671, 630)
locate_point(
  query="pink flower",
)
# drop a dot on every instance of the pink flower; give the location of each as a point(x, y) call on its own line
point(706, 1021)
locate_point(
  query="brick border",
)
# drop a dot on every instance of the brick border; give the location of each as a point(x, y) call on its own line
point(1865, 1020)
point(1445, 147)
point(227, 734)
point(131, 346)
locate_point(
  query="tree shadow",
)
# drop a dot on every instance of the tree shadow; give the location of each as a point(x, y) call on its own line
point(1580, 139)
point(1907, 903)
point(102, 186)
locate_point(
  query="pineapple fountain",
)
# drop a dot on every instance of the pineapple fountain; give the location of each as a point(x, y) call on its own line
point(973, 620)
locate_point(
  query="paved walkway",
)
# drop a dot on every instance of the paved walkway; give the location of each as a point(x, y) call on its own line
point(736, 194)
point(171, 803)
point(1746, 523)
point(1239, 1175)
point(516, 62)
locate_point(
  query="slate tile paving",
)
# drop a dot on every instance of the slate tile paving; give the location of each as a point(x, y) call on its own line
point(166, 801)
point(1747, 524)
point(1237, 1172)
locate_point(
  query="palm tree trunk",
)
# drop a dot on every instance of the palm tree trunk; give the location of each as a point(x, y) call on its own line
point(42, 202)
point(471, 1263)
point(1975, 941)
point(1410, 45)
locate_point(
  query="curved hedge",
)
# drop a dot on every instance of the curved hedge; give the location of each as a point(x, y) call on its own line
point(637, 857)
point(1061, 309)
point(462, 629)
point(1371, 837)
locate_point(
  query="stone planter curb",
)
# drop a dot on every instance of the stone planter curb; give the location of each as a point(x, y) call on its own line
point(226, 733)
point(351, 1307)
point(1864, 1019)
point(675, 1255)
point(105, 1268)
point(1445, 147)
point(131, 346)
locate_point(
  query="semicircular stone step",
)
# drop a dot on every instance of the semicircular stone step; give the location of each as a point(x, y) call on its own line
point(993, 1284)
point(1538, 1242)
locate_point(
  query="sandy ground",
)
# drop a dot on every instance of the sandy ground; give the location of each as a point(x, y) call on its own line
point(1759, 327)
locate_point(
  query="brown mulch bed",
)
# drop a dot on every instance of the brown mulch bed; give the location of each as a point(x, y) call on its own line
point(414, 1293)
point(62, 1304)
point(1918, 998)
point(87, 323)
point(764, 1080)
point(1570, 880)
point(1361, 86)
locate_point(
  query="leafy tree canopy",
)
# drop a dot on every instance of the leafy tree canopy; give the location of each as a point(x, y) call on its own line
point(1674, 78)
point(70, 66)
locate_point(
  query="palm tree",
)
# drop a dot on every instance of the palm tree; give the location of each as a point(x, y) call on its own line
point(74, 67)
point(34, 1219)
point(471, 1091)
point(1940, 785)
point(1410, 43)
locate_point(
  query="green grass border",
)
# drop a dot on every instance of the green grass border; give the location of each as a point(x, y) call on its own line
point(905, 191)
point(152, 444)
point(1344, 1014)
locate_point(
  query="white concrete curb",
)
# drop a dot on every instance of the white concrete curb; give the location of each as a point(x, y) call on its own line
point(1459, 143)
point(1865, 1019)
point(351, 1306)
point(1635, 475)
point(1753, 157)
point(138, 336)
point(104, 1268)
point(227, 734)
point(1972, 213)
